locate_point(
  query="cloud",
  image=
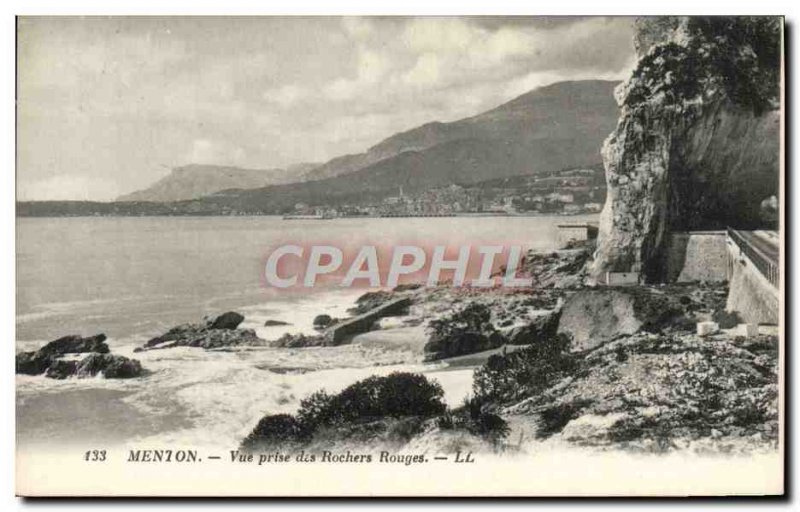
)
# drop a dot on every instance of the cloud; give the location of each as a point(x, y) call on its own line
point(204, 151)
point(424, 72)
point(68, 187)
point(286, 95)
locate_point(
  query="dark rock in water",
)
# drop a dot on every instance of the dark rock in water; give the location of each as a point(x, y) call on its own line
point(322, 321)
point(461, 343)
point(275, 323)
point(542, 327)
point(217, 338)
point(194, 336)
point(33, 363)
point(298, 341)
point(111, 366)
point(37, 362)
point(74, 344)
point(206, 336)
point(229, 320)
point(61, 369)
point(177, 333)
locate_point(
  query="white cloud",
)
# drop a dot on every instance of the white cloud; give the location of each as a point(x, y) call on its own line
point(424, 72)
point(204, 151)
point(286, 95)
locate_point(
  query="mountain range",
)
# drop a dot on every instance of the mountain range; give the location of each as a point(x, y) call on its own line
point(554, 127)
point(195, 180)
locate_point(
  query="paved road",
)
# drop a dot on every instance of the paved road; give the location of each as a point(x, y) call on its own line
point(765, 242)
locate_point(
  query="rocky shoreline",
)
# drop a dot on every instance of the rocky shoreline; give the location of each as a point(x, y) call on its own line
point(569, 361)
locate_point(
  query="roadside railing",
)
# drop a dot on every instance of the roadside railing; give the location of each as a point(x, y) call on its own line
point(768, 268)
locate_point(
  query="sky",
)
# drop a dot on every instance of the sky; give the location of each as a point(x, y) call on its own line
point(106, 105)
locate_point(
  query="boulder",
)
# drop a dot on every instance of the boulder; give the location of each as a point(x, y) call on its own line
point(229, 320)
point(592, 317)
point(322, 321)
point(74, 344)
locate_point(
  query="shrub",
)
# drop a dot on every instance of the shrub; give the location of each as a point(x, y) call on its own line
point(316, 409)
point(401, 396)
point(726, 319)
point(484, 423)
point(524, 372)
point(553, 419)
point(472, 318)
point(396, 395)
point(275, 430)
point(737, 55)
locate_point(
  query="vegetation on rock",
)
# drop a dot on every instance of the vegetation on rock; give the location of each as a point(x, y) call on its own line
point(390, 407)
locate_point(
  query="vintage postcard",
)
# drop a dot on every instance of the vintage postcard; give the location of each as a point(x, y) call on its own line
point(400, 256)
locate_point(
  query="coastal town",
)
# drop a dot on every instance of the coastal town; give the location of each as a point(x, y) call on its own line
point(568, 192)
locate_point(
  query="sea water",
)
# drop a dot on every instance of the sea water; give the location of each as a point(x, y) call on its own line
point(134, 278)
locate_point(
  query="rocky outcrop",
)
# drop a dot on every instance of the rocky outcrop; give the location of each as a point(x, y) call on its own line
point(592, 317)
point(217, 333)
point(33, 363)
point(49, 360)
point(297, 341)
point(563, 269)
point(74, 344)
point(109, 365)
point(697, 142)
point(656, 393)
point(37, 362)
point(371, 300)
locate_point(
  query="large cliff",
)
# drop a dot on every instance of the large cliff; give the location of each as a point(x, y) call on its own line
point(697, 143)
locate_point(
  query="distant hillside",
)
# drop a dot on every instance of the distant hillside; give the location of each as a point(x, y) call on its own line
point(194, 181)
point(560, 126)
point(559, 119)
